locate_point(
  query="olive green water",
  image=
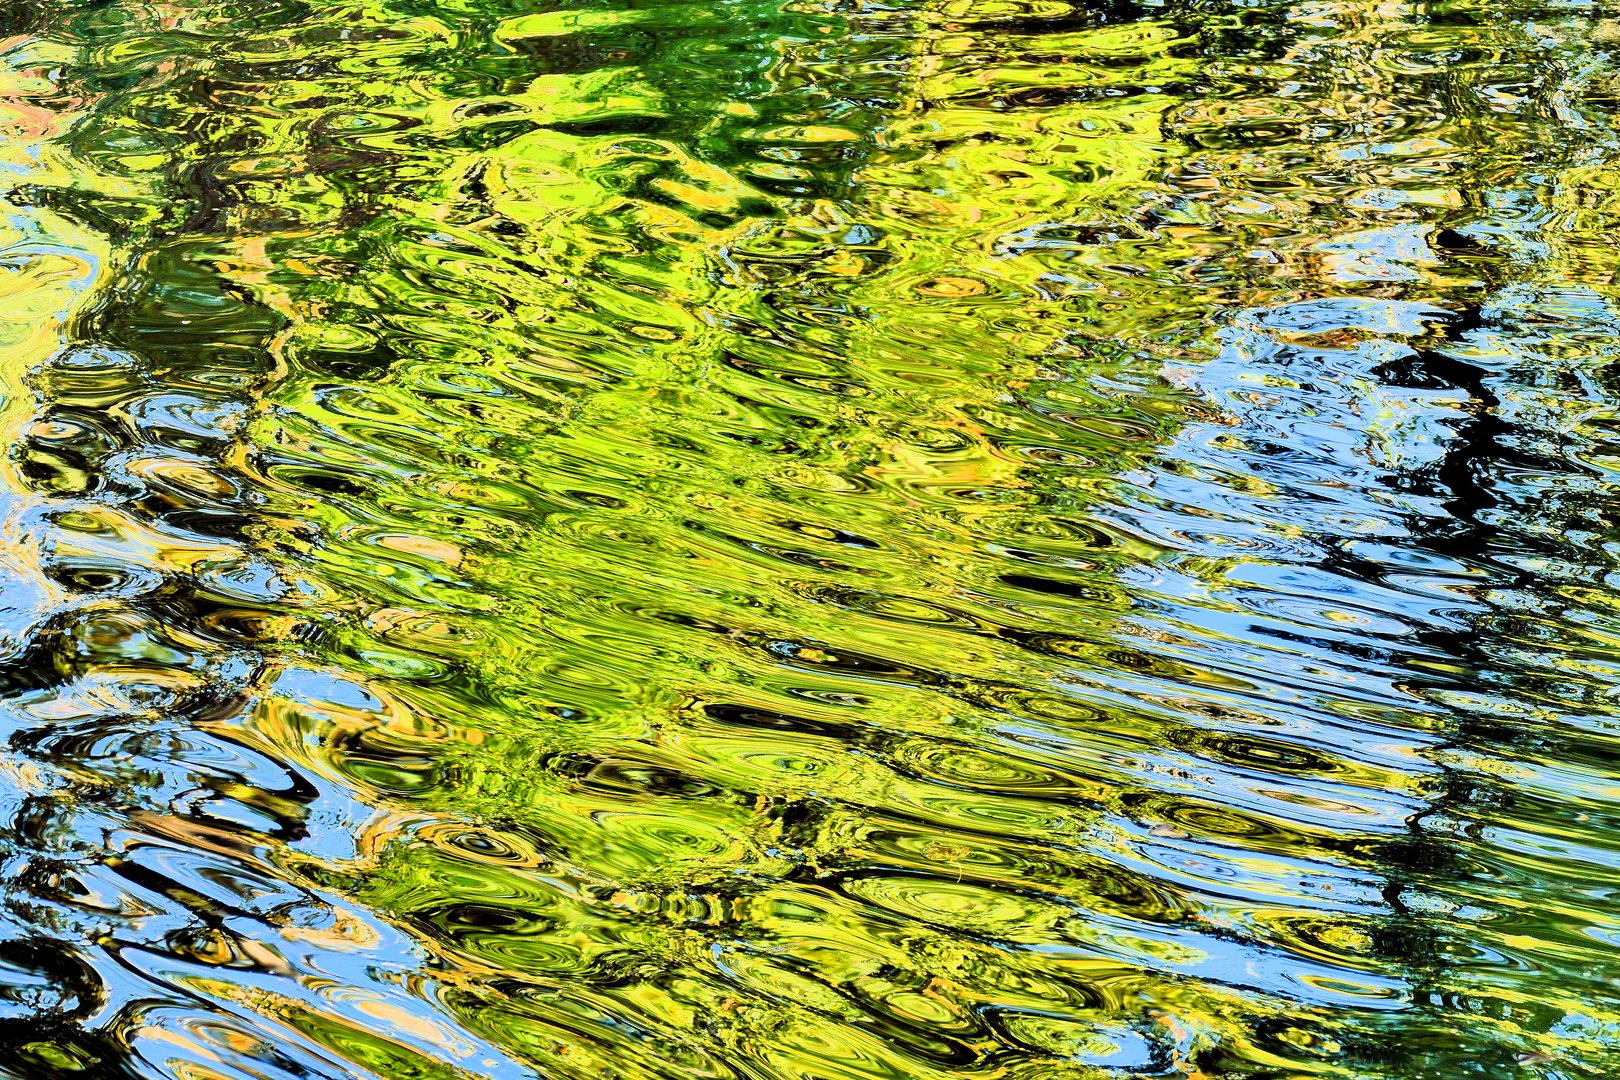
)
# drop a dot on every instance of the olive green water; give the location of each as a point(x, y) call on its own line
point(825, 539)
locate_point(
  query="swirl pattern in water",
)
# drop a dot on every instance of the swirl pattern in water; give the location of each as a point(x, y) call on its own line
point(809, 539)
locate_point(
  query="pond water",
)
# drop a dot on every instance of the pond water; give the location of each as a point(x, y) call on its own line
point(809, 539)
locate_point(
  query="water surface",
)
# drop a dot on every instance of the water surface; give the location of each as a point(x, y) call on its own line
point(829, 539)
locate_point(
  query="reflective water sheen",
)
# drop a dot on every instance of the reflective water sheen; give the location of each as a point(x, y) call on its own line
point(815, 539)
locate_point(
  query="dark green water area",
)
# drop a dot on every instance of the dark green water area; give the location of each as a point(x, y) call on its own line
point(809, 540)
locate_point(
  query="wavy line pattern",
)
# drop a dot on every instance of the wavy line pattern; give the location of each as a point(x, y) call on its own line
point(808, 539)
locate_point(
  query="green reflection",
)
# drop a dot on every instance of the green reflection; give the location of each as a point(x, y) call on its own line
point(816, 540)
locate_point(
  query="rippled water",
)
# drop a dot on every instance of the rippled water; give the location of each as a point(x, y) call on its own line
point(825, 539)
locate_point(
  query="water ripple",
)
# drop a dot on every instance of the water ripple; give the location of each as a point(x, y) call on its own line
point(807, 540)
